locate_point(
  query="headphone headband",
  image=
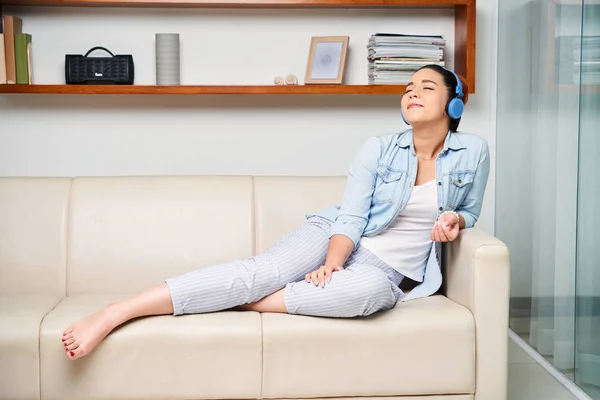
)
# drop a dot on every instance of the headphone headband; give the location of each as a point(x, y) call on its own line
point(458, 90)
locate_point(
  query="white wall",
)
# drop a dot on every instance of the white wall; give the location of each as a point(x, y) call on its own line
point(54, 135)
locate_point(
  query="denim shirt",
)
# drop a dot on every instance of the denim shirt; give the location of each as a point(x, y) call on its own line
point(380, 182)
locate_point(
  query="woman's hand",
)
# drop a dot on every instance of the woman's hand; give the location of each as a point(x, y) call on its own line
point(322, 275)
point(446, 228)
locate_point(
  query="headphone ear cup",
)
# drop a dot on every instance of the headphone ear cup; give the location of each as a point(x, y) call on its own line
point(403, 119)
point(455, 108)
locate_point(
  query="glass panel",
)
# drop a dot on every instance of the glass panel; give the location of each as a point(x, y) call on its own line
point(515, 120)
point(587, 373)
point(537, 166)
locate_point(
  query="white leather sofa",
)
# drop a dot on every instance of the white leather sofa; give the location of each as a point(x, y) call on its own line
point(69, 246)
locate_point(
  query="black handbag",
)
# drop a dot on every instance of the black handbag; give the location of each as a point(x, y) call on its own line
point(115, 70)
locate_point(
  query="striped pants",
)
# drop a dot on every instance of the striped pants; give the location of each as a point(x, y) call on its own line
point(365, 286)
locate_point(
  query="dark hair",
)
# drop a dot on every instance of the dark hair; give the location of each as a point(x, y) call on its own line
point(450, 83)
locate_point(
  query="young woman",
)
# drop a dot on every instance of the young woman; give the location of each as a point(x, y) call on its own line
point(406, 193)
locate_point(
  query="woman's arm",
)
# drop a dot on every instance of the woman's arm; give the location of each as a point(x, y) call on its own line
point(470, 208)
point(356, 202)
point(354, 212)
point(446, 229)
point(340, 248)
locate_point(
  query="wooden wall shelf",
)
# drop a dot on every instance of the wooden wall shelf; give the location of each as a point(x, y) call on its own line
point(242, 3)
point(464, 41)
point(139, 89)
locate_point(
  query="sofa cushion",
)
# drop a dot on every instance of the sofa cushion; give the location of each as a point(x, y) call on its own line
point(420, 347)
point(20, 319)
point(127, 234)
point(33, 232)
point(207, 356)
point(283, 202)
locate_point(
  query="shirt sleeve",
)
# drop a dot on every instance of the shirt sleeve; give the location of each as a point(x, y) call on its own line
point(358, 193)
point(470, 208)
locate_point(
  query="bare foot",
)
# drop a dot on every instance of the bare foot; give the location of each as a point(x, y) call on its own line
point(83, 336)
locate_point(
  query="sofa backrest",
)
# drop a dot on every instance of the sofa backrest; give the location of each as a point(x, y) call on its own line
point(283, 202)
point(121, 235)
point(33, 232)
point(130, 233)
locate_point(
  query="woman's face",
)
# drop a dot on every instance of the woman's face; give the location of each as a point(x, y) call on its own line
point(425, 99)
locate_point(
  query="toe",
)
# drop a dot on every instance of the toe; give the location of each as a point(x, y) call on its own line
point(73, 346)
point(75, 354)
point(67, 331)
point(69, 341)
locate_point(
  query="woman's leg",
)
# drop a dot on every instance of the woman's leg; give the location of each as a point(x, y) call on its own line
point(81, 337)
point(366, 285)
point(210, 289)
point(273, 303)
point(240, 282)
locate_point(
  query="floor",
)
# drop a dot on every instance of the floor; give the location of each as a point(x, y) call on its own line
point(527, 380)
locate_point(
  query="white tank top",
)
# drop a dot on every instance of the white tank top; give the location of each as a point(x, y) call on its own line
point(406, 243)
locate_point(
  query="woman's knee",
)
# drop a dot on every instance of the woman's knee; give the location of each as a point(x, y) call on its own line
point(377, 295)
point(353, 292)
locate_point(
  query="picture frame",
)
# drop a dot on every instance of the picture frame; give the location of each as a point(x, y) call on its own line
point(327, 60)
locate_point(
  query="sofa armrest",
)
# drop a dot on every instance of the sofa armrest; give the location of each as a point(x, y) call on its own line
point(477, 276)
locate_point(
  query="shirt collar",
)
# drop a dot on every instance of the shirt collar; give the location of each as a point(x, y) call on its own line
point(452, 141)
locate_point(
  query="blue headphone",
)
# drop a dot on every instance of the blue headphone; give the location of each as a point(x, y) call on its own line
point(455, 106)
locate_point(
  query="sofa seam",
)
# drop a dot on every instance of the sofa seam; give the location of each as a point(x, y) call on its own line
point(40, 344)
point(255, 253)
point(254, 219)
point(62, 295)
point(262, 358)
point(67, 236)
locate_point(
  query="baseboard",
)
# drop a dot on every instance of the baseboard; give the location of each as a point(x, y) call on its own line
point(555, 373)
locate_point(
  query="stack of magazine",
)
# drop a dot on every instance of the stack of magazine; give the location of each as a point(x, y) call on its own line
point(394, 57)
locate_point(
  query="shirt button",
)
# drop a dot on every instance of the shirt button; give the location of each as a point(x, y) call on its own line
point(441, 208)
point(460, 181)
point(440, 183)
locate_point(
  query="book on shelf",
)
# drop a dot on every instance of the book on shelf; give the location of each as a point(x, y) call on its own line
point(394, 57)
point(12, 25)
point(2, 60)
point(23, 58)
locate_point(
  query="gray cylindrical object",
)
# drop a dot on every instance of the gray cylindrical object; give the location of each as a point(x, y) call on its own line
point(167, 59)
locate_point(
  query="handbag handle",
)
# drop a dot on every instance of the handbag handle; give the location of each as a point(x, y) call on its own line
point(99, 48)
